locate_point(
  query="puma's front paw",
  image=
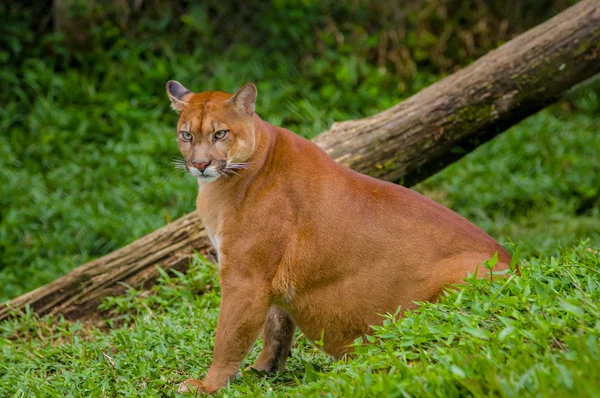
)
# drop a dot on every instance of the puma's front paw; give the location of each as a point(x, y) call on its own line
point(195, 386)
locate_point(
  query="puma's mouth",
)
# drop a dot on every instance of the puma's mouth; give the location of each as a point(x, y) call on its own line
point(208, 175)
point(221, 169)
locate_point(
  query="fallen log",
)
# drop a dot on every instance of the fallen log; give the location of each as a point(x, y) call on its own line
point(403, 144)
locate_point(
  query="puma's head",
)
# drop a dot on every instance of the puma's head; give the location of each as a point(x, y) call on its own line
point(215, 132)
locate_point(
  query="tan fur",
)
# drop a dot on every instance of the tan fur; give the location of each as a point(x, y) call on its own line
point(305, 241)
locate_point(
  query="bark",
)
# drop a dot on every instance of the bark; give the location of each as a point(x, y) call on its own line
point(403, 144)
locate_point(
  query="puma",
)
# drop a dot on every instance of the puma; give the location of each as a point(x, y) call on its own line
point(305, 242)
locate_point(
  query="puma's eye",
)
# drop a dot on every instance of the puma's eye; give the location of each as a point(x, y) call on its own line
point(186, 136)
point(220, 134)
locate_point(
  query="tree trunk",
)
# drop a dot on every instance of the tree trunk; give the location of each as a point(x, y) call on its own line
point(404, 144)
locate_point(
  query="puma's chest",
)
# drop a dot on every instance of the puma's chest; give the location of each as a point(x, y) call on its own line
point(215, 240)
point(211, 219)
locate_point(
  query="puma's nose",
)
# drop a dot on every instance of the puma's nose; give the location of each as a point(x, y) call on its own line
point(201, 165)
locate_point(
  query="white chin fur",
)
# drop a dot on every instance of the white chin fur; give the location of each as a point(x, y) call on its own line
point(207, 178)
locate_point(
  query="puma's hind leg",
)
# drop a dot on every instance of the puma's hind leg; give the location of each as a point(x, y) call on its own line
point(277, 336)
point(453, 271)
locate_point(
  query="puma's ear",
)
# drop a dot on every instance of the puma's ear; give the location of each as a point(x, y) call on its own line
point(178, 95)
point(245, 98)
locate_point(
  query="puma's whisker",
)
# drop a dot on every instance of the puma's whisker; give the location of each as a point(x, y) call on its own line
point(224, 174)
point(240, 166)
point(179, 165)
point(230, 171)
point(245, 165)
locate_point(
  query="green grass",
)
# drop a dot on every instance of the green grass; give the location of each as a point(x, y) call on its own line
point(534, 335)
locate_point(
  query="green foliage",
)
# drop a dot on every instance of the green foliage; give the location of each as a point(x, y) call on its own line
point(530, 335)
